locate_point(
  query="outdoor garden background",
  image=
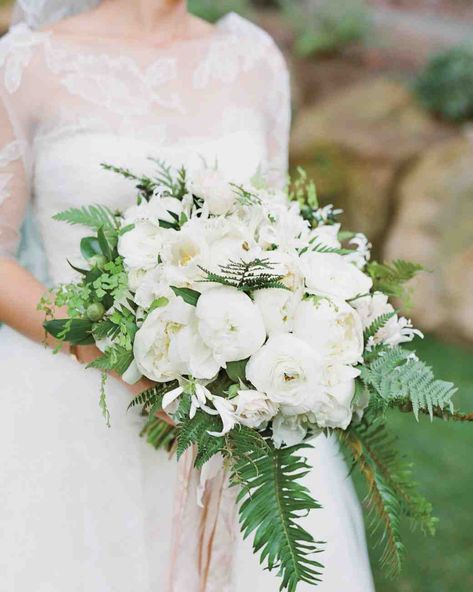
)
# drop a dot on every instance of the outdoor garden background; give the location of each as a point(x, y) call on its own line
point(383, 119)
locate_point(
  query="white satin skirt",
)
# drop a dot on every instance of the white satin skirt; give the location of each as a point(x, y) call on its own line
point(85, 508)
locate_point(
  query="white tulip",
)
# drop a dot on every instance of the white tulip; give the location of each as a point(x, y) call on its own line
point(332, 328)
point(230, 324)
point(330, 274)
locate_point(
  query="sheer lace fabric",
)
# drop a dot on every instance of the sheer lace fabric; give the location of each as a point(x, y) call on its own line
point(69, 103)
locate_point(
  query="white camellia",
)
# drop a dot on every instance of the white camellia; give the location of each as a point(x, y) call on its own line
point(332, 327)
point(330, 274)
point(253, 409)
point(287, 369)
point(163, 354)
point(217, 193)
point(277, 307)
point(140, 247)
point(396, 330)
point(288, 430)
point(230, 324)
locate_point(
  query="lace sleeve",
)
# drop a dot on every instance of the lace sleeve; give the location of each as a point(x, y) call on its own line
point(14, 186)
point(279, 115)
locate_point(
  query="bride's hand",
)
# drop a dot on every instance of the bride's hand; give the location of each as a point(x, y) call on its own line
point(88, 353)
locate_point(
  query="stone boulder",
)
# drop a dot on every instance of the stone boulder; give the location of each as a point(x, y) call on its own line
point(434, 226)
point(357, 143)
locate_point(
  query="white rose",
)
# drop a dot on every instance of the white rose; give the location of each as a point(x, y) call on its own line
point(277, 307)
point(326, 235)
point(217, 193)
point(141, 246)
point(230, 324)
point(332, 328)
point(287, 369)
point(253, 409)
point(162, 353)
point(288, 430)
point(329, 274)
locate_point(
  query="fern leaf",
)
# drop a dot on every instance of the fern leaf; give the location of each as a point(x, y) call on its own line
point(152, 396)
point(92, 216)
point(390, 278)
point(196, 431)
point(378, 324)
point(115, 359)
point(271, 502)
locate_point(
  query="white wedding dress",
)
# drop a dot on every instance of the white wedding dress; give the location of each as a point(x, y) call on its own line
point(84, 508)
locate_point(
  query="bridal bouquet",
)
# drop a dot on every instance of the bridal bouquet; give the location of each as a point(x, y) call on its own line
point(261, 324)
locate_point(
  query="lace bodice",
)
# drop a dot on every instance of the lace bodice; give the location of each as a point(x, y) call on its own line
point(70, 103)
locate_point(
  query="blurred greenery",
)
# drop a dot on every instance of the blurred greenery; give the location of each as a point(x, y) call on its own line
point(446, 84)
point(325, 26)
point(441, 453)
point(212, 11)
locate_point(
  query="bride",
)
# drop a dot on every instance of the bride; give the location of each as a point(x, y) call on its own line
point(82, 507)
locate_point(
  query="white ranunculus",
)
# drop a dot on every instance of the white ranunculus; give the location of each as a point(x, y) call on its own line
point(287, 369)
point(277, 307)
point(163, 354)
point(253, 409)
point(332, 327)
point(230, 324)
point(288, 430)
point(335, 410)
point(158, 208)
point(330, 274)
point(217, 193)
point(326, 235)
point(396, 330)
point(140, 247)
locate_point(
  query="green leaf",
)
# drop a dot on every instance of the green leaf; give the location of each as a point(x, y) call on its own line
point(237, 370)
point(92, 216)
point(188, 295)
point(73, 331)
point(153, 396)
point(89, 247)
point(390, 278)
point(247, 276)
point(271, 503)
point(196, 431)
point(115, 359)
point(104, 244)
point(378, 324)
point(159, 434)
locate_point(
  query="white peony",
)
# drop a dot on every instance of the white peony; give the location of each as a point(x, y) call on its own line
point(287, 369)
point(332, 327)
point(396, 330)
point(162, 353)
point(277, 307)
point(217, 193)
point(288, 430)
point(330, 274)
point(253, 409)
point(335, 409)
point(140, 247)
point(230, 324)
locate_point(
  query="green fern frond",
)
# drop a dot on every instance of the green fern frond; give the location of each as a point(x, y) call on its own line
point(115, 359)
point(196, 431)
point(92, 216)
point(390, 278)
point(152, 396)
point(397, 376)
point(246, 276)
point(159, 434)
point(378, 324)
point(271, 502)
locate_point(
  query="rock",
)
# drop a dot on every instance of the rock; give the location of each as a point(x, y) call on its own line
point(357, 143)
point(434, 226)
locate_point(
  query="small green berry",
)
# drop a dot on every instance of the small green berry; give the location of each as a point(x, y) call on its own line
point(95, 311)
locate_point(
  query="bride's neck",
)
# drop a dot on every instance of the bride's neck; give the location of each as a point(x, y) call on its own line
point(148, 17)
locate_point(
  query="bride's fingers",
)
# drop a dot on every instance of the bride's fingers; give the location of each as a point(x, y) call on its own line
point(165, 417)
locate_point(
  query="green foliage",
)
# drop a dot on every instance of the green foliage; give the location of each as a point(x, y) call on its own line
point(397, 377)
point(272, 500)
point(196, 431)
point(391, 492)
point(153, 397)
point(246, 276)
point(189, 296)
point(74, 331)
point(92, 216)
point(145, 185)
point(159, 434)
point(445, 87)
point(115, 359)
point(324, 26)
point(174, 183)
point(377, 325)
point(390, 278)
point(212, 11)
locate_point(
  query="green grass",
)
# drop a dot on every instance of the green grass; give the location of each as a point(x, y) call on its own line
point(443, 457)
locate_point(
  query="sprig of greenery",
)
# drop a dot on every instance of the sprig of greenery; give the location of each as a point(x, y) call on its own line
point(247, 276)
point(96, 216)
point(390, 278)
